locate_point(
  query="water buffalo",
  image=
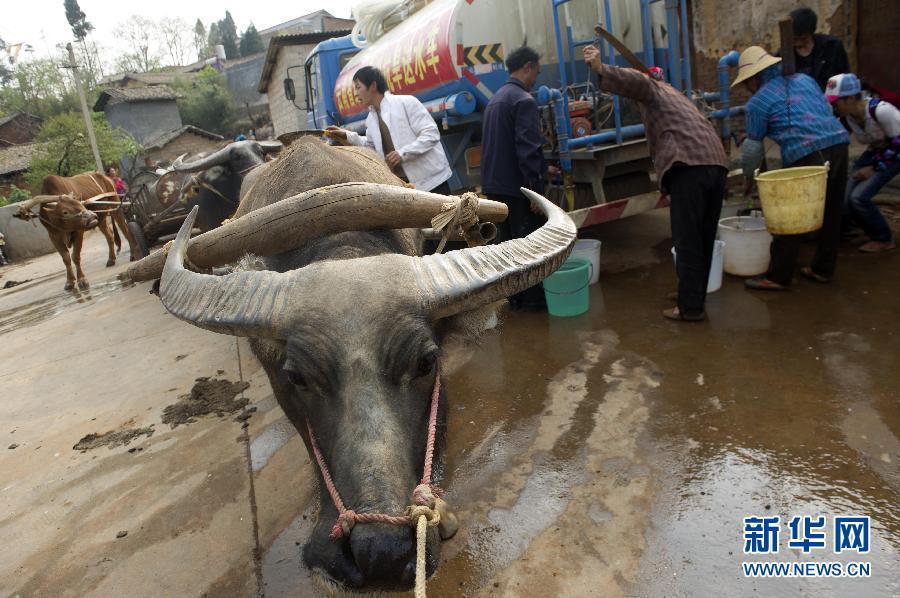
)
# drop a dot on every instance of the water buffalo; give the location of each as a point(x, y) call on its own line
point(66, 218)
point(218, 184)
point(350, 329)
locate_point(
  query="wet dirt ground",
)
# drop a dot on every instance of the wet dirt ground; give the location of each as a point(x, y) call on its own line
point(610, 454)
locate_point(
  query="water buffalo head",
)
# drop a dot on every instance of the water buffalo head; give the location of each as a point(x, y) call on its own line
point(62, 212)
point(350, 332)
point(239, 157)
point(216, 188)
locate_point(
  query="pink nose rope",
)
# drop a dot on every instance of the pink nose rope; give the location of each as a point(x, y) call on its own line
point(423, 494)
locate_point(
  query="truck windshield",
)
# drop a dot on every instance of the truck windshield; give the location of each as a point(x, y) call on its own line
point(345, 58)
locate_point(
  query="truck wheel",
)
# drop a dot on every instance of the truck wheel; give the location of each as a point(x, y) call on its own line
point(138, 233)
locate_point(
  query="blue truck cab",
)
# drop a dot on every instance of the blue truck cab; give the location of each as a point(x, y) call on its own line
point(323, 65)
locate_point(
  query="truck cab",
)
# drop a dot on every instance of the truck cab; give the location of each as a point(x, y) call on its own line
point(323, 65)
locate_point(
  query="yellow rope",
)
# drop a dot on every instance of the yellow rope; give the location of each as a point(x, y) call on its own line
point(424, 517)
point(421, 528)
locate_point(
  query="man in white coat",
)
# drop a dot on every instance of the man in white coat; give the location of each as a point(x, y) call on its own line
point(400, 129)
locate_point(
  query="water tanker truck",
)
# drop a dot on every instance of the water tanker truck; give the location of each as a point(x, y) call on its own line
point(450, 55)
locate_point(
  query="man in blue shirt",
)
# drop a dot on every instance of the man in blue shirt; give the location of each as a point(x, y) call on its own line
point(792, 112)
point(512, 155)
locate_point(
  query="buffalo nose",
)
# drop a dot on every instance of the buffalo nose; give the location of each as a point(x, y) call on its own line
point(384, 553)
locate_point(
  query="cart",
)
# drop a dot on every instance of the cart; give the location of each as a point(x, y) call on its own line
point(159, 201)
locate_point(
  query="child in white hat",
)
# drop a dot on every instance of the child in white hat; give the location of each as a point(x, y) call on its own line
point(876, 123)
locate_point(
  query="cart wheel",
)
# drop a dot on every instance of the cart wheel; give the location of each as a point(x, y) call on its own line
point(138, 233)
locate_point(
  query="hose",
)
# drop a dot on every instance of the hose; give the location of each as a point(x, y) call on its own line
point(370, 16)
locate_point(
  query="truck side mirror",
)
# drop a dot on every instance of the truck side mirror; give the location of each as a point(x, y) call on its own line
point(289, 91)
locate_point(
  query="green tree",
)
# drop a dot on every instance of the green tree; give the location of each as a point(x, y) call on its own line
point(15, 196)
point(251, 41)
point(214, 38)
point(5, 73)
point(66, 151)
point(88, 55)
point(201, 45)
point(38, 87)
point(77, 20)
point(207, 103)
point(229, 36)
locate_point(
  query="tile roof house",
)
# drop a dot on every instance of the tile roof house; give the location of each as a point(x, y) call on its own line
point(17, 128)
point(191, 140)
point(314, 22)
point(289, 51)
point(145, 112)
point(131, 80)
point(14, 161)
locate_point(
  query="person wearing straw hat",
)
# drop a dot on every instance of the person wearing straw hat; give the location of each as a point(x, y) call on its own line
point(691, 167)
point(791, 110)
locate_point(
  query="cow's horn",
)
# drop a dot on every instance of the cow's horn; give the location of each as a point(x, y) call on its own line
point(246, 303)
point(291, 222)
point(220, 157)
point(26, 206)
point(462, 280)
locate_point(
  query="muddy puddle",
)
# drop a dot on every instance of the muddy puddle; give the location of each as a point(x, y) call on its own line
point(208, 396)
point(29, 314)
point(112, 439)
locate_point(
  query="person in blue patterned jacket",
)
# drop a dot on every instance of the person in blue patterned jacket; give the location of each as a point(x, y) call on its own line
point(792, 111)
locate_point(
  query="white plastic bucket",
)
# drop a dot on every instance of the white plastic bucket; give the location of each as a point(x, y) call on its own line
point(746, 245)
point(714, 282)
point(589, 249)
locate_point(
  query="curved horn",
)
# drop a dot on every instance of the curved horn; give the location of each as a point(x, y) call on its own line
point(216, 158)
point(462, 280)
point(247, 303)
point(269, 147)
point(291, 222)
point(26, 206)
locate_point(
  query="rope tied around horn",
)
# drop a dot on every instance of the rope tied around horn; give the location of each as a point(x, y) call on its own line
point(459, 215)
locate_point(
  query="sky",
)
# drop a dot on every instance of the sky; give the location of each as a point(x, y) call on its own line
point(42, 23)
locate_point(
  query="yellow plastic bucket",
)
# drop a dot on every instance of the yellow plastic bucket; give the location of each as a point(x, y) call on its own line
point(793, 199)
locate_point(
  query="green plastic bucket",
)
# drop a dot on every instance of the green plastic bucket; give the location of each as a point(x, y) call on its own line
point(566, 289)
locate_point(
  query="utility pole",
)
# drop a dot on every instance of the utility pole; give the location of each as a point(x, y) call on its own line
point(84, 109)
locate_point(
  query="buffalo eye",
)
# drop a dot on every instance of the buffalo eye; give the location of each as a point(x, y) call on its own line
point(426, 363)
point(296, 378)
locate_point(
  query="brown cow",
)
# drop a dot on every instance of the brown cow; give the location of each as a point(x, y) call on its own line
point(66, 218)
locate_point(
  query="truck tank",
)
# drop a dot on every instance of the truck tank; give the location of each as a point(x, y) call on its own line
point(450, 53)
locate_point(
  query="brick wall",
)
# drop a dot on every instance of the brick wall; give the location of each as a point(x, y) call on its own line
point(286, 117)
point(719, 26)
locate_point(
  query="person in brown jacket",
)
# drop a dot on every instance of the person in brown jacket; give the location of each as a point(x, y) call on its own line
point(691, 167)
